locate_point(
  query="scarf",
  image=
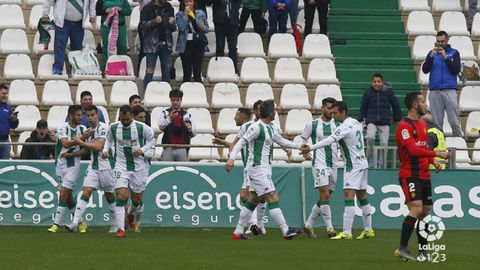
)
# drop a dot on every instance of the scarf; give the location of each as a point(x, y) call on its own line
point(113, 34)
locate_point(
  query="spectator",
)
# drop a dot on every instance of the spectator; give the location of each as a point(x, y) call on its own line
point(278, 16)
point(472, 10)
point(8, 120)
point(375, 109)
point(293, 13)
point(142, 3)
point(69, 16)
point(114, 8)
point(436, 139)
point(226, 20)
point(256, 9)
point(158, 22)
point(322, 7)
point(190, 20)
point(139, 114)
point(136, 102)
point(86, 100)
point(443, 63)
point(178, 127)
point(40, 134)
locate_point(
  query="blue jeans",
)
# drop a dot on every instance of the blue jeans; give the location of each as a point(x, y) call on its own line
point(5, 150)
point(293, 10)
point(72, 30)
point(277, 21)
point(151, 59)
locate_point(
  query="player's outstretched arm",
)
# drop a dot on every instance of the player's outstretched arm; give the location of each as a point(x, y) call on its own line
point(325, 142)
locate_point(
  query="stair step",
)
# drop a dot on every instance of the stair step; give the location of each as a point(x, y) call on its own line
point(367, 35)
point(365, 83)
point(395, 75)
point(364, 12)
point(371, 5)
point(359, 26)
point(374, 61)
point(378, 51)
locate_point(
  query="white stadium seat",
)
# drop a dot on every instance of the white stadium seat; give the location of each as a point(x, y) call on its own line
point(194, 95)
point(411, 5)
point(89, 40)
point(197, 153)
point(420, 23)
point(159, 149)
point(296, 121)
point(38, 48)
point(225, 122)
point(282, 45)
point(322, 71)
point(461, 156)
point(212, 44)
point(288, 70)
point(134, 19)
point(178, 69)
point(454, 23)
point(473, 122)
point(447, 129)
point(96, 88)
point(324, 91)
point(56, 116)
point(294, 96)
point(476, 25)
point(155, 116)
point(446, 5)
point(33, 2)
point(56, 92)
point(22, 92)
point(130, 73)
point(226, 95)
point(254, 69)
point(476, 154)
point(464, 46)
point(203, 119)
point(21, 139)
point(221, 69)
point(422, 45)
point(13, 2)
point(258, 91)
point(250, 45)
point(44, 70)
point(279, 154)
point(18, 66)
point(11, 17)
point(121, 91)
point(157, 73)
point(28, 116)
point(156, 94)
point(317, 46)
point(14, 41)
point(423, 78)
point(469, 100)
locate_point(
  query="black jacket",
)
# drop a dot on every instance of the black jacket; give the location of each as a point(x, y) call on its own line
point(219, 8)
point(151, 29)
point(376, 107)
point(37, 152)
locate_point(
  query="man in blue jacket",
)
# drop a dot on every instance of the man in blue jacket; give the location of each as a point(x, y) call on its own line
point(377, 103)
point(443, 63)
point(8, 120)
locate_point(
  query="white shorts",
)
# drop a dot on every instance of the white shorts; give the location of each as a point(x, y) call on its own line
point(357, 180)
point(68, 176)
point(135, 181)
point(246, 179)
point(260, 183)
point(102, 178)
point(325, 176)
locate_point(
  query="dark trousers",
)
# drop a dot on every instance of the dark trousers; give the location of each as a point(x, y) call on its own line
point(322, 7)
point(229, 31)
point(192, 59)
point(256, 18)
point(277, 21)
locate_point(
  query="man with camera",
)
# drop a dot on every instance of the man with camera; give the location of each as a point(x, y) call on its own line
point(178, 127)
point(443, 63)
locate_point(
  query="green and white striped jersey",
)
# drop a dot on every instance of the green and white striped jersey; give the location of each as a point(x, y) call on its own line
point(125, 141)
point(349, 136)
point(319, 130)
point(97, 162)
point(64, 131)
point(243, 129)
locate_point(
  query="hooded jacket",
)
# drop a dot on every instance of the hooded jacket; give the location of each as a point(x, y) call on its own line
point(376, 106)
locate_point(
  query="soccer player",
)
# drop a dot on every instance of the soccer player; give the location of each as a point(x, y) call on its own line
point(67, 169)
point(260, 137)
point(324, 169)
point(99, 172)
point(131, 140)
point(349, 135)
point(414, 174)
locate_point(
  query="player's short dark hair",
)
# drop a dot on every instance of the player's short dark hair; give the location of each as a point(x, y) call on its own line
point(442, 33)
point(176, 93)
point(132, 98)
point(410, 98)
point(245, 112)
point(125, 109)
point(377, 75)
point(91, 108)
point(137, 110)
point(267, 107)
point(341, 106)
point(257, 104)
point(85, 93)
point(3, 86)
point(72, 109)
point(328, 100)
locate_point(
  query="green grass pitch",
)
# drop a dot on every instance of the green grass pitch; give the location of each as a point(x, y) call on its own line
point(34, 248)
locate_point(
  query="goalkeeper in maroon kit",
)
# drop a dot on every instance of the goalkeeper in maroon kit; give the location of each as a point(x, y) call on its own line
point(414, 175)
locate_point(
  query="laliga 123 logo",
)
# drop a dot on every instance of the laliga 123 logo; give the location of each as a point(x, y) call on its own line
point(432, 229)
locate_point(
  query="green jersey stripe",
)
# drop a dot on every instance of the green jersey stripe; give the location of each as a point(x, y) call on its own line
point(327, 131)
point(346, 153)
point(270, 133)
point(95, 153)
point(314, 139)
point(71, 160)
point(127, 150)
point(244, 151)
point(258, 147)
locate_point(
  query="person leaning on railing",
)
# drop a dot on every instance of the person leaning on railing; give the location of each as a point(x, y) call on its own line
point(40, 134)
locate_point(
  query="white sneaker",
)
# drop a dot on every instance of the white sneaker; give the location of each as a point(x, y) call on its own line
point(264, 231)
point(113, 229)
point(71, 227)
